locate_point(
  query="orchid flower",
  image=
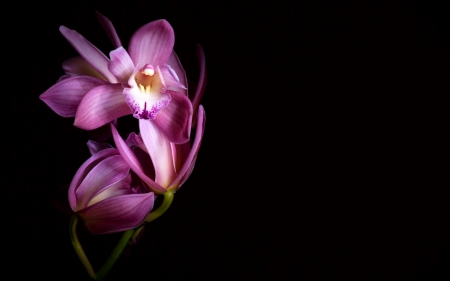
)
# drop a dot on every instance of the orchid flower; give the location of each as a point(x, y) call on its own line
point(148, 81)
point(104, 195)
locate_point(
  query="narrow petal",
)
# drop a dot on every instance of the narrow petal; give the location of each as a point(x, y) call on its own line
point(160, 152)
point(175, 63)
point(109, 29)
point(101, 105)
point(175, 119)
point(179, 154)
point(118, 213)
point(106, 173)
point(133, 162)
point(85, 169)
point(89, 52)
point(152, 44)
point(201, 81)
point(78, 66)
point(187, 166)
point(121, 64)
point(65, 96)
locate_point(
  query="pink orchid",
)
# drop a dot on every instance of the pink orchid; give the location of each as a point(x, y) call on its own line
point(148, 81)
point(106, 197)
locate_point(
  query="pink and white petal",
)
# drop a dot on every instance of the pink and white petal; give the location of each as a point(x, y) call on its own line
point(133, 162)
point(89, 52)
point(152, 44)
point(65, 96)
point(194, 150)
point(118, 213)
point(87, 166)
point(160, 152)
point(201, 81)
point(175, 119)
point(146, 106)
point(175, 63)
point(101, 105)
point(95, 147)
point(109, 29)
point(78, 66)
point(121, 65)
point(169, 78)
point(107, 172)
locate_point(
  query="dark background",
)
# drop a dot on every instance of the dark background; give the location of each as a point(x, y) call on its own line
point(325, 154)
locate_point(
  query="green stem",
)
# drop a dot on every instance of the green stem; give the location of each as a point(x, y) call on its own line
point(123, 243)
point(167, 201)
point(77, 246)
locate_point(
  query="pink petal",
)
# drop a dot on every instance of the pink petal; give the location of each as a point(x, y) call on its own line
point(108, 172)
point(78, 66)
point(85, 169)
point(160, 152)
point(201, 81)
point(101, 105)
point(65, 96)
point(175, 63)
point(175, 119)
point(179, 154)
point(118, 213)
point(89, 52)
point(188, 164)
point(169, 77)
point(152, 44)
point(121, 64)
point(133, 162)
point(110, 30)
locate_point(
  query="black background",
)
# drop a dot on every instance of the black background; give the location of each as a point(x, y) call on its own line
point(325, 154)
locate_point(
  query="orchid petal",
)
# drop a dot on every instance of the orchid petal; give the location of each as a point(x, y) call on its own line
point(201, 80)
point(133, 162)
point(107, 172)
point(194, 150)
point(175, 119)
point(160, 152)
point(95, 147)
point(121, 64)
point(89, 52)
point(117, 213)
point(169, 77)
point(85, 169)
point(101, 105)
point(78, 66)
point(179, 154)
point(109, 29)
point(152, 44)
point(65, 96)
point(175, 63)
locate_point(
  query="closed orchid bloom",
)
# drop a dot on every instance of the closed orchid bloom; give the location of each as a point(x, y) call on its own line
point(104, 196)
point(148, 81)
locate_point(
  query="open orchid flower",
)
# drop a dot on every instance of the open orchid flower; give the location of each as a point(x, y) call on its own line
point(148, 81)
point(106, 196)
point(171, 163)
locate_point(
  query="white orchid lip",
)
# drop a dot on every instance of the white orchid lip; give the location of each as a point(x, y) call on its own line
point(149, 96)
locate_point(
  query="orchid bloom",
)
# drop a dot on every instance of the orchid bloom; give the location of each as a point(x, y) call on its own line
point(106, 197)
point(148, 81)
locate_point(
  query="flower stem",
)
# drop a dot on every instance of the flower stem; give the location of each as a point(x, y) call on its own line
point(77, 246)
point(123, 243)
point(167, 201)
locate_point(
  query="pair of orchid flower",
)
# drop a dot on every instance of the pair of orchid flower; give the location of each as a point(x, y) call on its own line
point(115, 189)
